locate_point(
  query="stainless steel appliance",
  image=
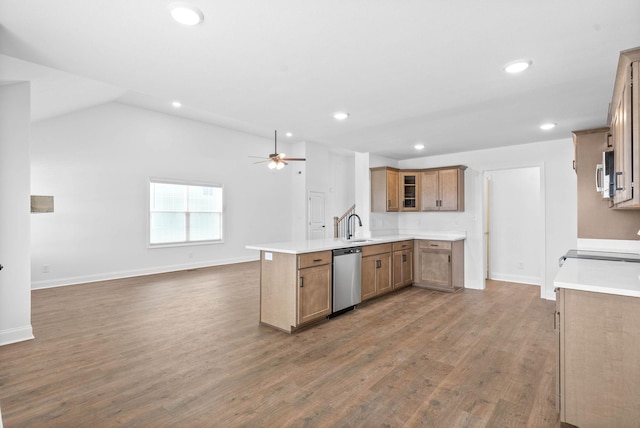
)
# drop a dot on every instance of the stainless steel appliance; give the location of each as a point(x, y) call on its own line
point(605, 180)
point(347, 276)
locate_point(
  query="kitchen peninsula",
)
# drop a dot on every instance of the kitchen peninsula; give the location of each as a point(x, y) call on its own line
point(296, 276)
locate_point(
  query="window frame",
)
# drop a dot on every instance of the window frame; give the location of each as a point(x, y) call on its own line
point(183, 183)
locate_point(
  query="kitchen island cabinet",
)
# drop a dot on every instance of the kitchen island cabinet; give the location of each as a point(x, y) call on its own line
point(294, 289)
point(598, 324)
point(296, 276)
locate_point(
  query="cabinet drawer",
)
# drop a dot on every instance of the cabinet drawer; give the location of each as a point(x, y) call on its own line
point(436, 245)
point(369, 250)
point(402, 245)
point(314, 259)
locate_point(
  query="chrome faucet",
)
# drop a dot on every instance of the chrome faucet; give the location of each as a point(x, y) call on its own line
point(349, 235)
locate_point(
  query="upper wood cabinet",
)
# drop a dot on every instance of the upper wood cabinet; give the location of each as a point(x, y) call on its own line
point(624, 122)
point(409, 190)
point(442, 189)
point(385, 189)
point(436, 189)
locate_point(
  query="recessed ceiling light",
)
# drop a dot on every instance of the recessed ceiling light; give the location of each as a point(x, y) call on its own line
point(517, 66)
point(186, 13)
point(289, 134)
point(419, 146)
point(340, 115)
point(547, 126)
point(176, 104)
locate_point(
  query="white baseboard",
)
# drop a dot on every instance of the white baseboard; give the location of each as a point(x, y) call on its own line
point(14, 335)
point(520, 279)
point(105, 276)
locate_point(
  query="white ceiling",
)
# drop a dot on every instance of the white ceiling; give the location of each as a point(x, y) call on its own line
point(406, 71)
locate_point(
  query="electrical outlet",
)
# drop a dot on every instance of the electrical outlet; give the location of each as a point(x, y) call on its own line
point(520, 265)
point(45, 268)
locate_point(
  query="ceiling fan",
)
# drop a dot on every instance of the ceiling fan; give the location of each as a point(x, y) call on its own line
point(277, 160)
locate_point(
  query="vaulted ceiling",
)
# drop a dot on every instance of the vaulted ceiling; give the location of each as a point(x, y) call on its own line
point(406, 71)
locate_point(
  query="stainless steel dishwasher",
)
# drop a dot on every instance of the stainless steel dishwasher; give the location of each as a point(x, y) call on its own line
point(347, 275)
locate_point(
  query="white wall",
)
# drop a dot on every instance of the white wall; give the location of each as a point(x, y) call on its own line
point(97, 162)
point(558, 189)
point(324, 171)
point(516, 227)
point(15, 278)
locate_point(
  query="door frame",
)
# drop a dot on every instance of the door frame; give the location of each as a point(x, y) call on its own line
point(543, 222)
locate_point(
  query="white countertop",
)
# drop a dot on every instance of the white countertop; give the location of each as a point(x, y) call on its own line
point(310, 246)
point(600, 276)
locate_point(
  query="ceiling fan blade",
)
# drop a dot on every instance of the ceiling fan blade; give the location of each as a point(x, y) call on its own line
point(257, 157)
point(293, 159)
point(263, 161)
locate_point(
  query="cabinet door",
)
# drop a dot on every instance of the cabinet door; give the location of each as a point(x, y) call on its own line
point(448, 186)
point(314, 293)
point(402, 268)
point(409, 185)
point(435, 267)
point(621, 130)
point(397, 269)
point(407, 270)
point(369, 272)
point(392, 190)
point(429, 196)
point(383, 273)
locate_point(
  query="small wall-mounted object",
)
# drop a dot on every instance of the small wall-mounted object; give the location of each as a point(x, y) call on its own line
point(41, 204)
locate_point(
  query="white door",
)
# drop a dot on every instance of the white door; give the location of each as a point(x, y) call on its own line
point(316, 226)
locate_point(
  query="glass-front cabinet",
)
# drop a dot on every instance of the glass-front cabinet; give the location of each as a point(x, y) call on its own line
point(409, 181)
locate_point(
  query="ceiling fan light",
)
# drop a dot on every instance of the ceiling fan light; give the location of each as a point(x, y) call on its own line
point(272, 164)
point(279, 165)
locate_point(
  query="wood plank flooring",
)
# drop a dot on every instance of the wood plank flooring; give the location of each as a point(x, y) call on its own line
point(185, 350)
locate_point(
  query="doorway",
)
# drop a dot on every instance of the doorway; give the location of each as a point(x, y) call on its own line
point(514, 225)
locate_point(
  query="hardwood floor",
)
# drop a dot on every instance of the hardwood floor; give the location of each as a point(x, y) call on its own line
point(186, 350)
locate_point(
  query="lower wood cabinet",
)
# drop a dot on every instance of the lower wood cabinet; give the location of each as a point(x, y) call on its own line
point(294, 289)
point(376, 270)
point(314, 293)
point(439, 264)
point(402, 264)
point(598, 355)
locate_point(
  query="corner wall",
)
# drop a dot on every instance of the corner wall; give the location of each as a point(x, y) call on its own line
point(15, 277)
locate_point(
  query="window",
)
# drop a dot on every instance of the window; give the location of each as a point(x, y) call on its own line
point(182, 213)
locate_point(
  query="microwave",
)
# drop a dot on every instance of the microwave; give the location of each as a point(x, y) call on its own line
point(604, 175)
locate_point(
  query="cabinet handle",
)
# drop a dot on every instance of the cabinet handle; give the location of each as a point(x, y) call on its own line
point(301, 281)
point(449, 259)
point(317, 260)
point(389, 203)
point(378, 264)
point(433, 245)
point(616, 181)
point(404, 258)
